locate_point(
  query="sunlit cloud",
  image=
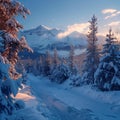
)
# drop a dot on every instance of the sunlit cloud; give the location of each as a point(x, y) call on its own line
point(81, 28)
point(110, 16)
point(107, 11)
point(112, 24)
point(103, 30)
point(115, 29)
point(113, 15)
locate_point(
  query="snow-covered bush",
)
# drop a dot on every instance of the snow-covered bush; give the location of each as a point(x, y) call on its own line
point(76, 80)
point(60, 73)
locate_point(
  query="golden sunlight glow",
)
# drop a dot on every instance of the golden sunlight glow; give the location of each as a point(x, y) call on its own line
point(106, 11)
point(81, 28)
point(24, 97)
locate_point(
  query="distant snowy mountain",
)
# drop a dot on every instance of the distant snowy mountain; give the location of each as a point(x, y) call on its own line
point(43, 38)
point(42, 30)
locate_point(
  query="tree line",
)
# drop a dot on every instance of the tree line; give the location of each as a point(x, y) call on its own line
point(101, 67)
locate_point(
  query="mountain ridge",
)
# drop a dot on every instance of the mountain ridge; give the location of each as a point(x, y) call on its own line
point(43, 38)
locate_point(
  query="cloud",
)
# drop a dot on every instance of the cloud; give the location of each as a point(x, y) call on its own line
point(113, 15)
point(112, 24)
point(107, 11)
point(110, 16)
point(115, 29)
point(81, 28)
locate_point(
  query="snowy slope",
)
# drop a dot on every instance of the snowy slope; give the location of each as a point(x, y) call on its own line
point(30, 111)
point(49, 101)
point(61, 102)
point(44, 36)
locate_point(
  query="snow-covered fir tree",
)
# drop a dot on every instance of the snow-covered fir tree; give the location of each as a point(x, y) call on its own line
point(21, 69)
point(92, 53)
point(40, 65)
point(75, 80)
point(35, 67)
point(107, 75)
point(55, 58)
point(60, 73)
point(110, 40)
point(10, 45)
point(24, 75)
point(47, 65)
point(71, 59)
point(74, 74)
point(55, 61)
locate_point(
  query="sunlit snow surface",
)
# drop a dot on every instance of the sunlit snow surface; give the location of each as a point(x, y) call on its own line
point(50, 101)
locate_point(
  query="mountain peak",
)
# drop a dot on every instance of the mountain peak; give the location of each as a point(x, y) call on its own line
point(43, 27)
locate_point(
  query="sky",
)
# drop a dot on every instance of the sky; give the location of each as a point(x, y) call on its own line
point(71, 15)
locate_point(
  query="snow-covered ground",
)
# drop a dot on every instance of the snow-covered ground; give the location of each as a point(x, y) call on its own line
point(50, 101)
point(30, 111)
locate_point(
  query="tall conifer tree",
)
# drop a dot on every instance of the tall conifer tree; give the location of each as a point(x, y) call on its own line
point(10, 45)
point(92, 55)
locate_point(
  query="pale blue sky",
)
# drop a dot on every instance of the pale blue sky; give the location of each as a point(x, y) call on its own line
point(61, 13)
